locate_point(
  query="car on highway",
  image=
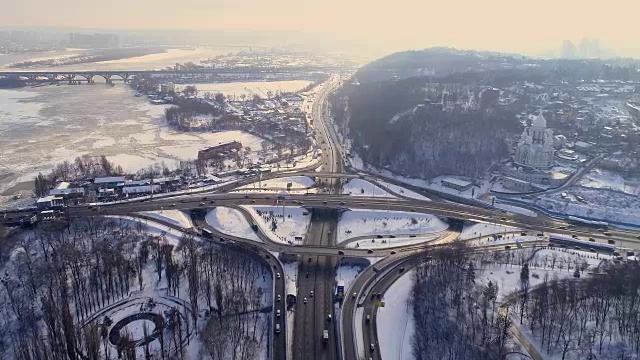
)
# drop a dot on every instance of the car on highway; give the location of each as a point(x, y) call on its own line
point(370, 251)
point(329, 317)
point(392, 252)
point(277, 328)
point(202, 204)
point(372, 347)
point(278, 313)
point(311, 293)
point(277, 275)
point(279, 298)
point(354, 295)
point(402, 269)
point(173, 205)
point(368, 318)
point(304, 300)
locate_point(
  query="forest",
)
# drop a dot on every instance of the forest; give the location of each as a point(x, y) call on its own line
point(59, 282)
point(420, 129)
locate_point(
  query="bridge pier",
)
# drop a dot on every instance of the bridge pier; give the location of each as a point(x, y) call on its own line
point(108, 78)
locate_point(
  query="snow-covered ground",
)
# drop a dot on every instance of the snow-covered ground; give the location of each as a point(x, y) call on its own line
point(153, 228)
point(355, 223)
point(359, 187)
point(515, 209)
point(603, 179)
point(290, 270)
point(403, 192)
point(297, 183)
point(395, 324)
point(507, 239)
point(473, 230)
point(508, 277)
point(291, 287)
point(389, 243)
point(232, 222)
point(175, 217)
point(601, 204)
point(347, 273)
point(288, 229)
point(550, 261)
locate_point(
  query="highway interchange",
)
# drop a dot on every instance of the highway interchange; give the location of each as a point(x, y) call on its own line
point(320, 254)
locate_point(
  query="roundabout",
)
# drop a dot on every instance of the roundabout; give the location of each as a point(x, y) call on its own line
point(140, 321)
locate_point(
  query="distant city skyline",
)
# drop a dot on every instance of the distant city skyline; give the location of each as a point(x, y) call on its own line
point(528, 28)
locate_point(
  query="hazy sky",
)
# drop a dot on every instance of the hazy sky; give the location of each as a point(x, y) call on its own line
point(508, 25)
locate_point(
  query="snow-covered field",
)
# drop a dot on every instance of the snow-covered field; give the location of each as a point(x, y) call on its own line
point(403, 192)
point(232, 222)
point(175, 217)
point(473, 230)
point(360, 187)
point(355, 223)
point(288, 229)
point(395, 324)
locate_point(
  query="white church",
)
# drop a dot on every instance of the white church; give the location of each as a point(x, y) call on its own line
point(535, 148)
point(533, 160)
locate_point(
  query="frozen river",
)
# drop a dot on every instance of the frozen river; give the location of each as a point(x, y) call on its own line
point(43, 126)
point(147, 62)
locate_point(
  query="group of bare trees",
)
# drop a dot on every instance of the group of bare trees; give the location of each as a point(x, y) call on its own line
point(456, 318)
point(82, 167)
point(57, 279)
point(595, 317)
point(227, 279)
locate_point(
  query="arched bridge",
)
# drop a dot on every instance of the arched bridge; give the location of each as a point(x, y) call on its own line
point(126, 75)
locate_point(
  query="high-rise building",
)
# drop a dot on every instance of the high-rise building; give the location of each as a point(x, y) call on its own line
point(594, 49)
point(569, 50)
point(585, 45)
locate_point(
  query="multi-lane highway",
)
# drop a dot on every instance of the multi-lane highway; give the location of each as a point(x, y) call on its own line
point(314, 308)
point(626, 238)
